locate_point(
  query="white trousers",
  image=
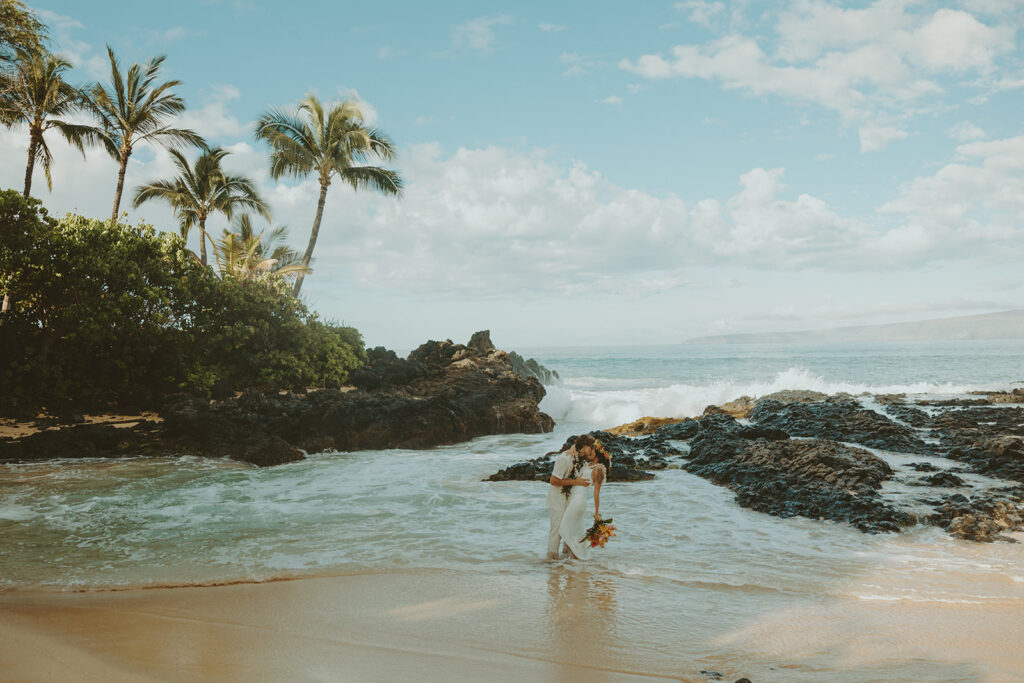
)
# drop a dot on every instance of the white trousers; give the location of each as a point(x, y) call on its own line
point(557, 502)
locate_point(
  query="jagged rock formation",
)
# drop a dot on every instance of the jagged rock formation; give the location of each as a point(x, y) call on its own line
point(442, 393)
point(816, 476)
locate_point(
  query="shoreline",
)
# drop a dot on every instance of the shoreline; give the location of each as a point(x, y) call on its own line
point(550, 622)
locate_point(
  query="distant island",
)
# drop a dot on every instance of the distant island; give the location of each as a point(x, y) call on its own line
point(1004, 325)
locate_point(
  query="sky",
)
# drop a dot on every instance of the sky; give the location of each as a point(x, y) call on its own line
point(592, 173)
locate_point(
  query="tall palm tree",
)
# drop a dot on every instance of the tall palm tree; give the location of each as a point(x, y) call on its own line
point(201, 190)
point(335, 143)
point(249, 255)
point(134, 109)
point(38, 96)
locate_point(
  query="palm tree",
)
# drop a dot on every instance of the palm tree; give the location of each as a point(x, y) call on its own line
point(133, 109)
point(335, 143)
point(250, 256)
point(38, 96)
point(201, 190)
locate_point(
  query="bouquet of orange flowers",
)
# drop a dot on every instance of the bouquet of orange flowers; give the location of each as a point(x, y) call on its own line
point(599, 534)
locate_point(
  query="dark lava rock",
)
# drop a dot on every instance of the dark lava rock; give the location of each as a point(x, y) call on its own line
point(680, 431)
point(454, 396)
point(443, 393)
point(813, 478)
point(631, 458)
point(84, 441)
point(915, 417)
point(266, 451)
point(841, 419)
point(923, 467)
point(988, 440)
point(385, 370)
point(940, 479)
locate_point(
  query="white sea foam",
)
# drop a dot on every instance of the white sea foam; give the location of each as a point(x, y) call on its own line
point(580, 401)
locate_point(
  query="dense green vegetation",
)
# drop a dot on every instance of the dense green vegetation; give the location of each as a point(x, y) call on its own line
point(98, 313)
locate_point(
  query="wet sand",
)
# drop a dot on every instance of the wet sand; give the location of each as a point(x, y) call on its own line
point(550, 624)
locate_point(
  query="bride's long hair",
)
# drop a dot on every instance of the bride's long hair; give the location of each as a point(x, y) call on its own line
point(603, 457)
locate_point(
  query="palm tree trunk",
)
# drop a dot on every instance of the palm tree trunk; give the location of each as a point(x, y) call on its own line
point(202, 239)
point(32, 146)
point(120, 186)
point(312, 237)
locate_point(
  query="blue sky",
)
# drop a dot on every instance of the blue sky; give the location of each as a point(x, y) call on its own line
point(587, 173)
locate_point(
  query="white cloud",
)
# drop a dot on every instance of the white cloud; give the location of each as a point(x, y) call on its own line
point(701, 11)
point(388, 52)
point(478, 34)
point(171, 35)
point(953, 40)
point(971, 206)
point(873, 66)
point(577, 64)
point(550, 28)
point(965, 131)
point(213, 119)
point(612, 99)
point(874, 138)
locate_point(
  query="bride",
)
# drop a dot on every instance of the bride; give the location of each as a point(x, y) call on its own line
point(592, 466)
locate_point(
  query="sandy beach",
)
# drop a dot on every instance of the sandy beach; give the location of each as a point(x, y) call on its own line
point(455, 626)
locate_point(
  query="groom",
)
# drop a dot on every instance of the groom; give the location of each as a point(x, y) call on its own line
point(563, 474)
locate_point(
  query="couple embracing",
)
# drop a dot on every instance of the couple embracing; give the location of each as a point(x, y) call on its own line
point(583, 466)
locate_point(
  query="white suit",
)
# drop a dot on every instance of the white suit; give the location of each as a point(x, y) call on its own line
point(557, 501)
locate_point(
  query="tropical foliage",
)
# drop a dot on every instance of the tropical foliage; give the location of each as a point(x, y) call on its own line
point(99, 313)
point(20, 30)
point(133, 108)
point(328, 143)
point(38, 97)
point(201, 190)
point(256, 257)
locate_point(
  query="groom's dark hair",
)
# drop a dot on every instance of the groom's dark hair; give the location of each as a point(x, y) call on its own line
point(583, 440)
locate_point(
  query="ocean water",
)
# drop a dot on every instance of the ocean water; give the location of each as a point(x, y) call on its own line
point(100, 524)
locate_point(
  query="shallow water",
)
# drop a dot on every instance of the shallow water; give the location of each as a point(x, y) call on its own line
point(88, 524)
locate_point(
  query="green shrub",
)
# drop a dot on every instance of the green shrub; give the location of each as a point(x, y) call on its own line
point(101, 314)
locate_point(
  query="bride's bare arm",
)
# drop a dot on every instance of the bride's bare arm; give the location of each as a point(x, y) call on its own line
point(598, 477)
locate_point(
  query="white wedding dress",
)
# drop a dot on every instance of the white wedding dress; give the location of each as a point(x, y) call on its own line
point(574, 523)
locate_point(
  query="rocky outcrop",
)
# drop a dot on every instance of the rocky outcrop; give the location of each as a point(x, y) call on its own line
point(843, 419)
point(85, 441)
point(816, 478)
point(442, 393)
point(822, 478)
